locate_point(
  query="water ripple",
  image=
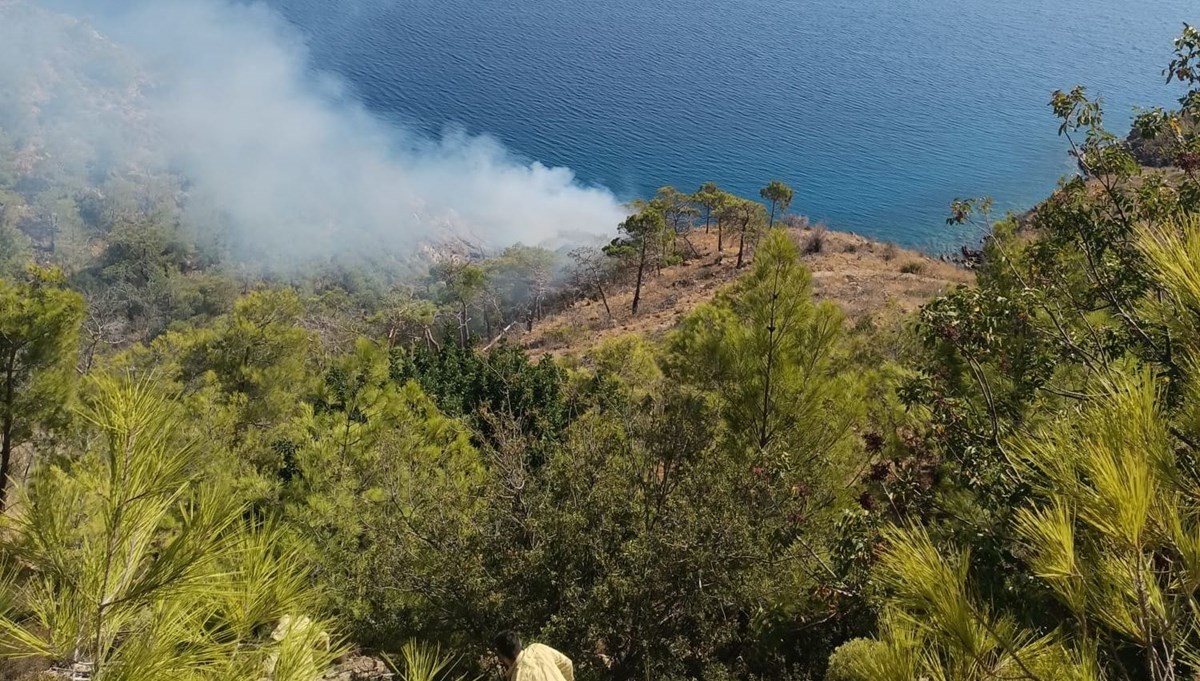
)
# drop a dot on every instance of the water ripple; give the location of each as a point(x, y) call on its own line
point(878, 112)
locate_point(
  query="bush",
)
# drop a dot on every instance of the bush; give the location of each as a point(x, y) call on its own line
point(630, 358)
point(815, 243)
point(846, 663)
point(424, 662)
point(564, 335)
point(793, 221)
point(889, 251)
point(913, 267)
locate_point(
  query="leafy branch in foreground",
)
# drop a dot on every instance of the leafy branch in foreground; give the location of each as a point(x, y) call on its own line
point(1109, 529)
point(124, 564)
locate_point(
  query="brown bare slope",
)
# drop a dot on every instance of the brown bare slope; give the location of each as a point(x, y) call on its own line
point(863, 277)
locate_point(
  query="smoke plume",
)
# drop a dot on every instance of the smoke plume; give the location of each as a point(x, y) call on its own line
point(224, 95)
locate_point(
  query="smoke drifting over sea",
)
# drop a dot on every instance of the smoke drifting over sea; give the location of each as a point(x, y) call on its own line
point(224, 95)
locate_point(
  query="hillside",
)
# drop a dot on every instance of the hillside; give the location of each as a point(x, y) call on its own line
point(212, 471)
point(862, 276)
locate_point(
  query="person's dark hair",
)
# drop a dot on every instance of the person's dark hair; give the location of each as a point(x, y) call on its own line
point(507, 644)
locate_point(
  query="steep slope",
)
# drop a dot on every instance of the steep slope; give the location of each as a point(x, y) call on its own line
point(867, 279)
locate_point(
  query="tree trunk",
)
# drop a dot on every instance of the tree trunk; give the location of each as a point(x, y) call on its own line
point(764, 433)
point(742, 246)
point(604, 299)
point(6, 431)
point(691, 246)
point(5, 460)
point(462, 325)
point(707, 217)
point(771, 224)
point(637, 290)
point(89, 355)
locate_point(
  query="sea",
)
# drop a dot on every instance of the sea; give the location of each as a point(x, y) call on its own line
point(878, 113)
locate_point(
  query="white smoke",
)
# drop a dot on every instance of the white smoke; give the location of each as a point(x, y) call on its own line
point(299, 168)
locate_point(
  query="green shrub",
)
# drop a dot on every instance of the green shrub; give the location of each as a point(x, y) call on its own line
point(846, 663)
point(913, 267)
point(630, 357)
point(424, 662)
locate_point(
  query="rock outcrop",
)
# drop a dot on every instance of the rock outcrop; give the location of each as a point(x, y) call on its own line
point(359, 668)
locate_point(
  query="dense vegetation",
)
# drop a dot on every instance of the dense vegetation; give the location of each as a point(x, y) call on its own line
point(215, 473)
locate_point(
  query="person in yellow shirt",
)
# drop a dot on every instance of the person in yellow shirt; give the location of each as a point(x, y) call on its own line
point(536, 663)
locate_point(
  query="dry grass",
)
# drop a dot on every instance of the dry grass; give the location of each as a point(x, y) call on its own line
point(856, 273)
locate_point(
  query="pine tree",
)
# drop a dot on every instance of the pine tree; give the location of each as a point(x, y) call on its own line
point(780, 196)
point(128, 565)
point(767, 350)
point(39, 344)
point(1109, 530)
point(641, 230)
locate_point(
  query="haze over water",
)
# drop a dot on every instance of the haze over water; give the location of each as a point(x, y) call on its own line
point(878, 112)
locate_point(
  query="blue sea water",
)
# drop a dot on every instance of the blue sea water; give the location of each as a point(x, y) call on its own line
point(877, 112)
